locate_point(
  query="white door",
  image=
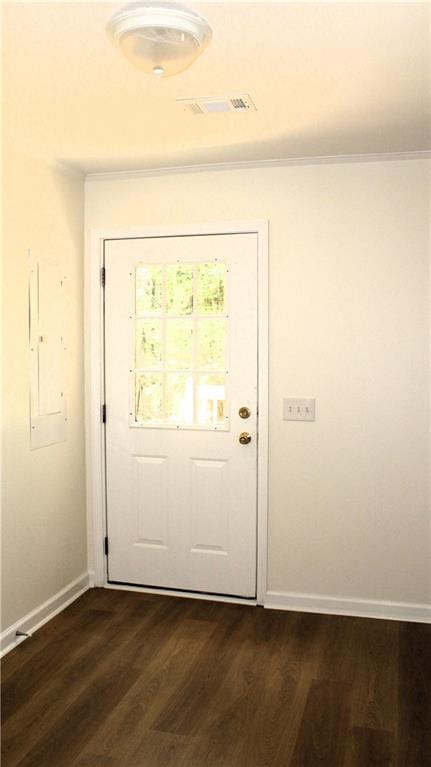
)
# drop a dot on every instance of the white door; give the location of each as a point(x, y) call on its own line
point(180, 362)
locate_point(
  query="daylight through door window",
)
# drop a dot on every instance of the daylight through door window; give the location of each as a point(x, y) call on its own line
point(179, 370)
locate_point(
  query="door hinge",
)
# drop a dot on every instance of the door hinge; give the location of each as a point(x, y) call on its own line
point(103, 276)
point(106, 546)
point(103, 413)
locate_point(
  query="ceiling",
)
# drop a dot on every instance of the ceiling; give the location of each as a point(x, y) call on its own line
point(327, 79)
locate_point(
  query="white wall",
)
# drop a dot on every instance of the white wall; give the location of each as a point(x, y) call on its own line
point(44, 528)
point(349, 264)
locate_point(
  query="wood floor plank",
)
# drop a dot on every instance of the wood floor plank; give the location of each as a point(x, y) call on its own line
point(254, 706)
point(189, 705)
point(160, 749)
point(26, 682)
point(69, 620)
point(91, 658)
point(230, 705)
point(80, 719)
point(414, 695)
point(339, 646)
point(124, 679)
point(370, 748)
point(96, 760)
point(375, 703)
point(322, 737)
point(173, 650)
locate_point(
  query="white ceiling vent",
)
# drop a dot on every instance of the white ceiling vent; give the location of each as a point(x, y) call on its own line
point(209, 105)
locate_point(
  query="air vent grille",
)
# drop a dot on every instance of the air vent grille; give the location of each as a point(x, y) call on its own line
point(239, 104)
point(218, 104)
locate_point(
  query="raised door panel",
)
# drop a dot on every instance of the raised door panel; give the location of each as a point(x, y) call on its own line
point(209, 510)
point(150, 483)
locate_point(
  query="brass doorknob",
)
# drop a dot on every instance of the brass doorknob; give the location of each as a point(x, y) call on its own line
point(245, 438)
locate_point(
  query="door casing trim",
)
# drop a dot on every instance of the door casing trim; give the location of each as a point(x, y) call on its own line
point(94, 386)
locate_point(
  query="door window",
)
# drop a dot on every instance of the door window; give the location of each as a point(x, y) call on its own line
point(180, 325)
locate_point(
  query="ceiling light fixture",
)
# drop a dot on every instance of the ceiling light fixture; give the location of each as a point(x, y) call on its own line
point(161, 38)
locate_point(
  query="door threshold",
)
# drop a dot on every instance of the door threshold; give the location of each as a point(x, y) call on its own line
point(181, 593)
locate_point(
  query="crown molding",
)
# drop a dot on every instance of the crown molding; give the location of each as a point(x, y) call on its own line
point(248, 164)
point(64, 167)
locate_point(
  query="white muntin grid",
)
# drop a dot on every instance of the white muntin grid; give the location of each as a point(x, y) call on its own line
point(195, 371)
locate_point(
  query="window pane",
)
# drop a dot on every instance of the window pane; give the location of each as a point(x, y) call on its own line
point(148, 347)
point(211, 288)
point(211, 399)
point(148, 397)
point(179, 288)
point(211, 351)
point(148, 290)
point(179, 398)
point(181, 344)
point(179, 350)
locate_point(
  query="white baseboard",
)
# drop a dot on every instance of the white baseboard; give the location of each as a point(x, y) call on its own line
point(42, 614)
point(363, 608)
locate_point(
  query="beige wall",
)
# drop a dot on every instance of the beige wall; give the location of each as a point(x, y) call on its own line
point(349, 264)
point(44, 529)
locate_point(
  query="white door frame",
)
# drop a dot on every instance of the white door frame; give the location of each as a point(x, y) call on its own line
point(94, 392)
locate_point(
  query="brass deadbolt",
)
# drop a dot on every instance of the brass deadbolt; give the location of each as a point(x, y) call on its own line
point(244, 412)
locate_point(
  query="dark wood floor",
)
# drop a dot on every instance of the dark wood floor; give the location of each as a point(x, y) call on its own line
point(122, 679)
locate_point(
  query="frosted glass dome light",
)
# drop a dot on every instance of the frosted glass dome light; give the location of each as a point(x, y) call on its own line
point(161, 38)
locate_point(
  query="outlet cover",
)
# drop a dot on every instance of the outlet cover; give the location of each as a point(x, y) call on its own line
point(299, 409)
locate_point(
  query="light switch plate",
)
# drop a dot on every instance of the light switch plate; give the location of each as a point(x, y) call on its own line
point(299, 409)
